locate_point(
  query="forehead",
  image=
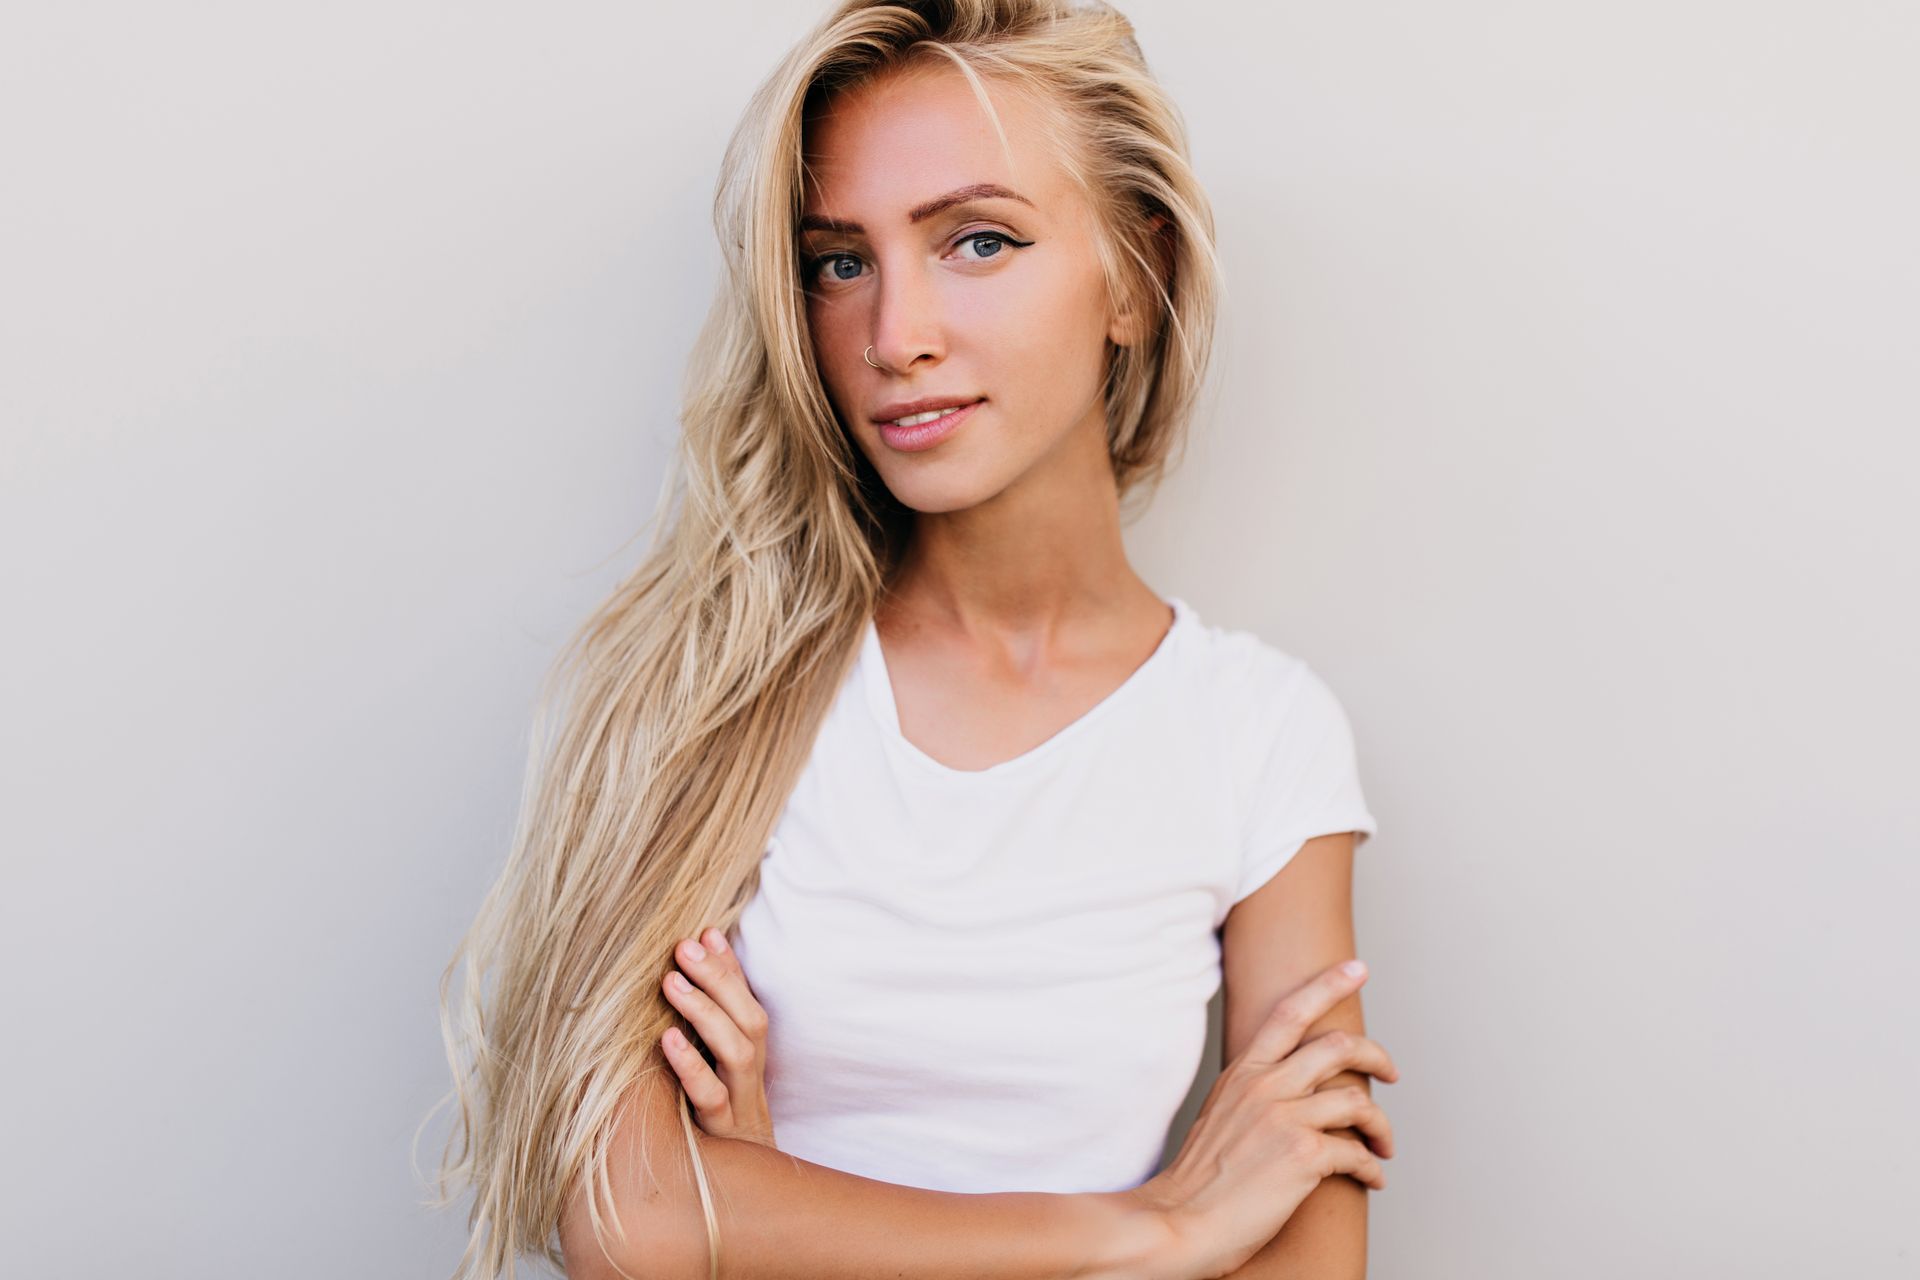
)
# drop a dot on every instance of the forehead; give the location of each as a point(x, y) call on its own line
point(885, 145)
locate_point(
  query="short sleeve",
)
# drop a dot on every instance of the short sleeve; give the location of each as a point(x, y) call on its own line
point(1308, 782)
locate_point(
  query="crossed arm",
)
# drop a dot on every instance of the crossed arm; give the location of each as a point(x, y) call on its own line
point(1274, 939)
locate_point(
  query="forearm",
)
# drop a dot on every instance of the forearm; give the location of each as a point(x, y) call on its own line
point(792, 1219)
point(1326, 1238)
point(785, 1217)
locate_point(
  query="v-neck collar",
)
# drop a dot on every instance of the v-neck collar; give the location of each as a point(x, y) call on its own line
point(886, 711)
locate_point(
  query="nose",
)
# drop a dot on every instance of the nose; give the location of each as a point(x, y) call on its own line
point(907, 327)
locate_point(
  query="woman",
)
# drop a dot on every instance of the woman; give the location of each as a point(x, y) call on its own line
point(888, 720)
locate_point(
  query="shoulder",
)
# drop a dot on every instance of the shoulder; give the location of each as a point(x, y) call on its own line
point(1251, 687)
point(1286, 743)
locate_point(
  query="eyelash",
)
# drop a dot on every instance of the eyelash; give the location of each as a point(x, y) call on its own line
point(814, 264)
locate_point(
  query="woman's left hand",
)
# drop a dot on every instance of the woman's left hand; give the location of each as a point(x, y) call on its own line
point(721, 1007)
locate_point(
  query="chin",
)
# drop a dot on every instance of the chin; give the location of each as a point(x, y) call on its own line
point(930, 495)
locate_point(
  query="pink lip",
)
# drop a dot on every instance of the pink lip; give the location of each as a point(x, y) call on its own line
point(927, 434)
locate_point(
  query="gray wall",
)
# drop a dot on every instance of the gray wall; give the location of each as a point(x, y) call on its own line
point(1564, 420)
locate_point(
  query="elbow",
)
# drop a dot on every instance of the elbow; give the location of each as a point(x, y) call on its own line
point(647, 1236)
point(651, 1223)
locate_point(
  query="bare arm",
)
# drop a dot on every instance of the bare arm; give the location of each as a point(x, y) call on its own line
point(1296, 924)
point(783, 1216)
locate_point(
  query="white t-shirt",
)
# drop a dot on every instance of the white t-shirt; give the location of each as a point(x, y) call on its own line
point(997, 980)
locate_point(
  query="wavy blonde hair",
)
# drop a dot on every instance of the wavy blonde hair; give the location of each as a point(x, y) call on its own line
point(675, 722)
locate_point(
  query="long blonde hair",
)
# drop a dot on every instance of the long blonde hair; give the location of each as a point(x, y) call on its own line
point(675, 722)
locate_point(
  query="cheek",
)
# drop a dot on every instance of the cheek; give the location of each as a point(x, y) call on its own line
point(838, 350)
point(1052, 331)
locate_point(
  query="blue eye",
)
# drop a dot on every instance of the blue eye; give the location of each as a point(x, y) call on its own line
point(994, 237)
point(832, 257)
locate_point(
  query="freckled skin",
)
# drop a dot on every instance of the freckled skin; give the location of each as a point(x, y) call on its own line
point(1024, 327)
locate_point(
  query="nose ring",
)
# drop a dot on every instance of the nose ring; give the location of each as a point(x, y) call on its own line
point(870, 360)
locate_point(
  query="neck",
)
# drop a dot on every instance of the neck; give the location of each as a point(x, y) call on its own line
point(1044, 553)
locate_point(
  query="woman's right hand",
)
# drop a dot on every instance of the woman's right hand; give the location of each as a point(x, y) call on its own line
point(1261, 1144)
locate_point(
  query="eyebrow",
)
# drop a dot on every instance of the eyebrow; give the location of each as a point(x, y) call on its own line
point(920, 212)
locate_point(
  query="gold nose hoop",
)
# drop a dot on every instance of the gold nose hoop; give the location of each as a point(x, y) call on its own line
point(870, 360)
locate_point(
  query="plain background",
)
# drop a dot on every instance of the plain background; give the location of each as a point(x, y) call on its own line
point(1565, 422)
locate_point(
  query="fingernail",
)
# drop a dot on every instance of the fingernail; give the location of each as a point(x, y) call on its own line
point(679, 982)
point(717, 940)
point(695, 951)
point(1354, 968)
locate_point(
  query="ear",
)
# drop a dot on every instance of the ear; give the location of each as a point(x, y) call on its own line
point(1130, 322)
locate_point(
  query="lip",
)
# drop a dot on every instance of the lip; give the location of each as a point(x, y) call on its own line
point(906, 408)
point(927, 434)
